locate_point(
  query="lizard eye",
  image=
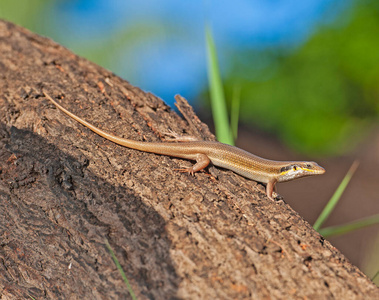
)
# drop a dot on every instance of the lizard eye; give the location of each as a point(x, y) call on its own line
point(309, 166)
point(294, 168)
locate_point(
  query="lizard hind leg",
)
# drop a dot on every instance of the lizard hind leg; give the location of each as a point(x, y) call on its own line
point(202, 161)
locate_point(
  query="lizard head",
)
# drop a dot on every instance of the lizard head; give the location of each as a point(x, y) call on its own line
point(299, 169)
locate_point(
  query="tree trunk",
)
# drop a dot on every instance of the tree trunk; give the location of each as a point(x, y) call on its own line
point(65, 191)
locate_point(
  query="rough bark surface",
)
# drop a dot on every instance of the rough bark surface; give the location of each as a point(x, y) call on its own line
point(64, 191)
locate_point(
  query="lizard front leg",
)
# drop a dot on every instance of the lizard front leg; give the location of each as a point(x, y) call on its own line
point(174, 137)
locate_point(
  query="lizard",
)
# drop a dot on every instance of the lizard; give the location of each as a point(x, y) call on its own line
point(222, 155)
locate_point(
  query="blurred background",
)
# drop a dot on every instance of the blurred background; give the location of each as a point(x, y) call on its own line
point(307, 73)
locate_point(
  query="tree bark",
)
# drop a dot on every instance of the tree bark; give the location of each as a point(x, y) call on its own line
point(65, 191)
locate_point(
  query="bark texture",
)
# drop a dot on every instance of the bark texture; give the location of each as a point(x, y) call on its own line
point(64, 191)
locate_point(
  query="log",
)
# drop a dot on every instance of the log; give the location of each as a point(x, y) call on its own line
point(65, 192)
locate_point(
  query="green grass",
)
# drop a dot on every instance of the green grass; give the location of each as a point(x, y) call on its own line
point(218, 103)
point(235, 110)
point(335, 198)
point(376, 274)
point(120, 270)
point(346, 228)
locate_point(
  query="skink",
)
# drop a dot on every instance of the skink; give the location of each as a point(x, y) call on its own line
point(241, 162)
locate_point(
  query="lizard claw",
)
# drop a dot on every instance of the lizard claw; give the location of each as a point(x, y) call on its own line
point(174, 137)
point(186, 170)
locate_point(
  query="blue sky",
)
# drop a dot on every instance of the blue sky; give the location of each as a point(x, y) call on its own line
point(169, 57)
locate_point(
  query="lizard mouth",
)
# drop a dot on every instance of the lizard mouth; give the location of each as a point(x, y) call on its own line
point(319, 170)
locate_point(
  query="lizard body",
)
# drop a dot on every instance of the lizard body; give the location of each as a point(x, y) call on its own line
point(229, 157)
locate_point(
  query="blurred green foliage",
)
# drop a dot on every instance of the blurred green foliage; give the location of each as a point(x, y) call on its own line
point(40, 16)
point(321, 98)
point(25, 13)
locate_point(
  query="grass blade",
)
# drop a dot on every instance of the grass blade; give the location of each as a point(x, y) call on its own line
point(235, 110)
point(218, 104)
point(345, 228)
point(376, 274)
point(336, 197)
point(120, 270)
